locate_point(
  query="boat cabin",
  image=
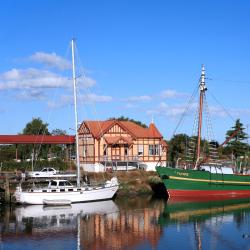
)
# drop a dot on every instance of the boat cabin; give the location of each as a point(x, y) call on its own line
point(60, 184)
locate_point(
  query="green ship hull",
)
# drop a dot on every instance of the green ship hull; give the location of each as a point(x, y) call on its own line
point(198, 183)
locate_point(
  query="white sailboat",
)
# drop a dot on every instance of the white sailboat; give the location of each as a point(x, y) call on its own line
point(62, 191)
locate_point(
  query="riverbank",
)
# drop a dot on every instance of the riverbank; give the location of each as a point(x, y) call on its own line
point(132, 183)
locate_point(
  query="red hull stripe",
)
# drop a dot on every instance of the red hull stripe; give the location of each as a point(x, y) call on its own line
point(208, 193)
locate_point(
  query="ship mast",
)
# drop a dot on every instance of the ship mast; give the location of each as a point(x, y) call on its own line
point(76, 115)
point(203, 89)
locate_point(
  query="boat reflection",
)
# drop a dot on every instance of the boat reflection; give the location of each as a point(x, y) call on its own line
point(123, 224)
point(208, 224)
point(200, 210)
point(52, 213)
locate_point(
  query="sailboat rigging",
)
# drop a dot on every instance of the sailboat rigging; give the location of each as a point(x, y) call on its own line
point(205, 178)
point(62, 191)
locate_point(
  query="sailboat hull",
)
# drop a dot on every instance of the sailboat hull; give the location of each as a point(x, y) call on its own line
point(40, 197)
point(196, 183)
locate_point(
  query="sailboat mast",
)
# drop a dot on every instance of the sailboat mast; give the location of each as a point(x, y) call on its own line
point(203, 89)
point(76, 115)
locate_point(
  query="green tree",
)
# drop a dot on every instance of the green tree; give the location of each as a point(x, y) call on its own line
point(235, 145)
point(58, 150)
point(122, 118)
point(58, 131)
point(7, 152)
point(35, 127)
point(177, 147)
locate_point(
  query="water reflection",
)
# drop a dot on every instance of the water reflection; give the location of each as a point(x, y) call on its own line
point(207, 224)
point(132, 223)
point(124, 224)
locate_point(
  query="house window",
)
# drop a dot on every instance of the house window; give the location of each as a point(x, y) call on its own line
point(126, 150)
point(84, 151)
point(157, 149)
point(140, 149)
point(104, 149)
point(153, 149)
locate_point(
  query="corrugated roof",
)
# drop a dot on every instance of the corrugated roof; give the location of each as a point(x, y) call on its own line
point(99, 128)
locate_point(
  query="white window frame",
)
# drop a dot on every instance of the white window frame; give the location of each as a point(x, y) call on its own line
point(140, 149)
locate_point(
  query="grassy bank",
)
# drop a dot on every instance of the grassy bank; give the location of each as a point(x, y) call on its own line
point(131, 182)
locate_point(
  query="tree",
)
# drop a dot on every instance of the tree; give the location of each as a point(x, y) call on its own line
point(235, 145)
point(7, 152)
point(122, 118)
point(58, 150)
point(177, 147)
point(58, 131)
point(35, 127)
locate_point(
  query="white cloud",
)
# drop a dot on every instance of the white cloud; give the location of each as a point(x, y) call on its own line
point(51, 60)
point(93, 98)
point(88, 98)
point(172, 94)
point(171, 111)
point(139, 98)
point(164, 95)
point(31, 78)
point(130, 106)
point(175, 111)
point(232, 112)
point(85, 82)
point(34, 94)
point(239, 112)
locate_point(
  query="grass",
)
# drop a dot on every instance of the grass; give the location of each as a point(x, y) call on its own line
point(131, 182)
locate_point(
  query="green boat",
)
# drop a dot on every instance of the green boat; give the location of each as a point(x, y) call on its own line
point(204, 180)
point(201, 183)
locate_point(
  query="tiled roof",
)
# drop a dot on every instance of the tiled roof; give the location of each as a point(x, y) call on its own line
point(116, 139)
point(99, 128)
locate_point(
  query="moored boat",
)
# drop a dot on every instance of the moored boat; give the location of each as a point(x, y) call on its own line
point(62, 191)
point(205, 179)
point(199, 183)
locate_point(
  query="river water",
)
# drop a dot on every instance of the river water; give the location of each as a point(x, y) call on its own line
point(128, 223)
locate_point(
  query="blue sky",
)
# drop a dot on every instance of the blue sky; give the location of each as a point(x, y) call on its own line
point(140, 59)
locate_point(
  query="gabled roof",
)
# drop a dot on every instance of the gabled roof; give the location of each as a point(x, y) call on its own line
point(118, 140)
point(96, 128)
point(99, 128)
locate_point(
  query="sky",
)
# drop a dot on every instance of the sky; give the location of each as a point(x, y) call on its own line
point(140, 59)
